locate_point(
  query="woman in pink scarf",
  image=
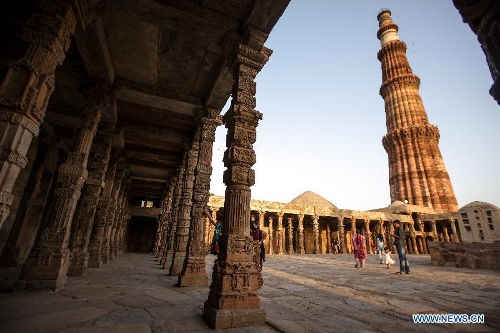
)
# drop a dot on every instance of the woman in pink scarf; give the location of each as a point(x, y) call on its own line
point(359, 249)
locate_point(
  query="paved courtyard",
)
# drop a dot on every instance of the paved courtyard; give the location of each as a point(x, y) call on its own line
point(301, 293)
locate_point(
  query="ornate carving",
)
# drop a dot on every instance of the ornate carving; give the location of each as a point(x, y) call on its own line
point(240, 278)
point(240, 245)
point(13, 157)
point(16, 118)
point(6, 198)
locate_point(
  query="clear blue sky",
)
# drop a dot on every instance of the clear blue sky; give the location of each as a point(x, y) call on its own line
point(324, 118)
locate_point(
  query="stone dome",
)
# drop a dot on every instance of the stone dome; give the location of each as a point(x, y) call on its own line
point(310, 198)
point(480, 204)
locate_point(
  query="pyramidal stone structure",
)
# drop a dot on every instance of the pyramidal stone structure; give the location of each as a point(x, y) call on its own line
point(417, 173)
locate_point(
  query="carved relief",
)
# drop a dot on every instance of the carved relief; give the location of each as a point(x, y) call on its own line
point(240, 245)
point(240, 278)
point(13, 157)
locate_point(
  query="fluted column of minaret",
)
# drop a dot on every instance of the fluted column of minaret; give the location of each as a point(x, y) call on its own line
point(416, 169)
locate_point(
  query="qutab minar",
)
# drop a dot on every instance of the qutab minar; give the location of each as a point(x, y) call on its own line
point(417, 173)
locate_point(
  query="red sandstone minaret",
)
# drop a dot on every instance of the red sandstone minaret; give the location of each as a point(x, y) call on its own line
point(416, 169)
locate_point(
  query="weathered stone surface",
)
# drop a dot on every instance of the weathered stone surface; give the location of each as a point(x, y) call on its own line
point(335, 297)
point(469, 255)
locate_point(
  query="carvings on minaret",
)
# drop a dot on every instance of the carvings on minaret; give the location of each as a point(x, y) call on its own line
point(417, 173)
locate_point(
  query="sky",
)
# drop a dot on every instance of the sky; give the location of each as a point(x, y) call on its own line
point(323, 117)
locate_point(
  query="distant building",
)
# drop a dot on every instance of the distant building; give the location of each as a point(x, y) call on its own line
point(479, 222)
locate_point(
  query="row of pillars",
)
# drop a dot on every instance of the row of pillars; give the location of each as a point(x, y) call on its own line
point(180, 245)
point(55, 220)
point(288, 234)
point(88, 207)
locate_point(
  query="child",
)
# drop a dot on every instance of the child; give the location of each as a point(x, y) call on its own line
point(387, 257)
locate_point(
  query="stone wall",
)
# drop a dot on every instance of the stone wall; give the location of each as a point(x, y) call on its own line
point(469, 255)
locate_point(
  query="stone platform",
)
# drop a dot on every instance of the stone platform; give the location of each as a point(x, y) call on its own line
point(301, 293)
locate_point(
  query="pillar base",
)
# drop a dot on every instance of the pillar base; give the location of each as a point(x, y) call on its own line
point(54, 285)
point(177, 263)
point(168, 259)
point(94, 262)
point(221, 319)
point(105, 258)
point(76, 271)
point(192, 280)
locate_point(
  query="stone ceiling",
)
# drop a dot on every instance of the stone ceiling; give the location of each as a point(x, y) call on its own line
point(164, 61)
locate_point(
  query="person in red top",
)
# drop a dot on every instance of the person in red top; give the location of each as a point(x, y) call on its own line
point(359, 249)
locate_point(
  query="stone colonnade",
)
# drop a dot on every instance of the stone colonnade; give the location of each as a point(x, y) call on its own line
point(297, 232)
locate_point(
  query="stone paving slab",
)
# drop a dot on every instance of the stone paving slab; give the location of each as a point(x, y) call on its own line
point(301, 293)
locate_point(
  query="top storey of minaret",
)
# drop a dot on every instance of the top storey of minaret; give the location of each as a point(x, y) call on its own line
point(388, 30)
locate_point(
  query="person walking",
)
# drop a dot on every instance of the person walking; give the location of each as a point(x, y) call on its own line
point(388, 258)
point(359, 249)
point(380, 247)
point(400, 241)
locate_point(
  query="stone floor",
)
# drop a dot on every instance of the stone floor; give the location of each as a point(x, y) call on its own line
point(301, 293)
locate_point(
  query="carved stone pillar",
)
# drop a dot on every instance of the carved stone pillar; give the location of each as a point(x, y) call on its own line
point(84, 221)
point(424, 245)
point(122, 219)
point(160, 230)
point(270, 236)
point(236, 277)
point(435, 236)
point(301, 247)
point(27, 224)
point(120, 173)
point(290, 235)
point(353, 231)
point(316, 249)
point(48, 264)
point(413, 238)
point(368, 236)
point(169, 256)
point(194, 271)
point(446, 235)
point(328, 239)
point(382, 231)
point(342, 239)
point(25, 89)
point(122, 222)
point(118, 216)
point(98, 233)
point(262, 215)
point(279, 233)
point(184, 214)
point(454, 230)
point(167, 217)
point(391, 238)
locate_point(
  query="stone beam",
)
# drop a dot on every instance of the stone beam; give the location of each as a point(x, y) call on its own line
point(157, 133)
point(150, 140)
point(94, 51)
point(156, 102)
point(163, 159)
point(148, 173)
